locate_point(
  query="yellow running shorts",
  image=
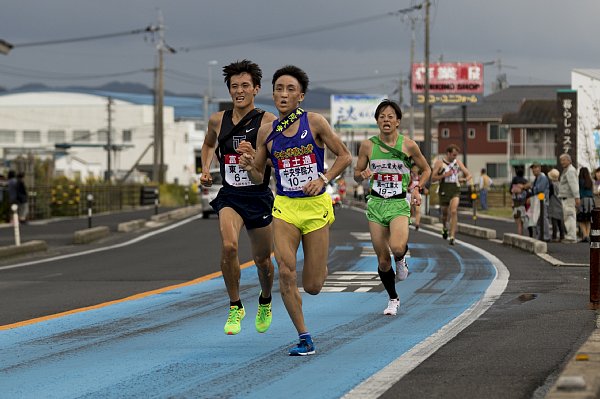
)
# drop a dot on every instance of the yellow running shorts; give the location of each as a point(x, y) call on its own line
point(306, 213)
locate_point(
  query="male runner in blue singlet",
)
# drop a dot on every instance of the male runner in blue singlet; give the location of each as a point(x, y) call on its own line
point(241, 202)
point(302, 210)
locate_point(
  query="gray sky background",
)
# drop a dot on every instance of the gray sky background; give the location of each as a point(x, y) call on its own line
point(541, 40)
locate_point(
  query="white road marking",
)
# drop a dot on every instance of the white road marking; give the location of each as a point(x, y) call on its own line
point(378, 383)
point(91, 251)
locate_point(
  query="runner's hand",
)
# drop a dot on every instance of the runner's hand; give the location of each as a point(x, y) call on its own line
point(313, 187)
point(416, 196)
point(247, 155)
point(206, 179)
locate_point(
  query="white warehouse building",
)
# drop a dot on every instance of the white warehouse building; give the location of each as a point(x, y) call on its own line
point(71, 127)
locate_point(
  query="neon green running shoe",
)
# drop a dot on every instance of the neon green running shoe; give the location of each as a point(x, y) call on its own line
point(263, 317)
point(234, 320)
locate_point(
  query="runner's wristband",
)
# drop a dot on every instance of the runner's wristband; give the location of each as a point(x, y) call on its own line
point(325, 179)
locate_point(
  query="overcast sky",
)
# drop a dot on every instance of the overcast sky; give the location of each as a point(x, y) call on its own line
point(537, 41)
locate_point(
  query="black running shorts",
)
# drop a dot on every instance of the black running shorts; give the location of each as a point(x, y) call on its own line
point(254, 207)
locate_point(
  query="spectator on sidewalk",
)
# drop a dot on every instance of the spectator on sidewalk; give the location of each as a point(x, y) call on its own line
point(12, 191)
point(541, 185)
point(569, 196)
point(22, 198)
point(519, 199)
point(485, 182)
point(584, 211)
point(597, 185)
point(555, 210)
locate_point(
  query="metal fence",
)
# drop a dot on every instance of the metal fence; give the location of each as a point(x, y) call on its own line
point(72, 199)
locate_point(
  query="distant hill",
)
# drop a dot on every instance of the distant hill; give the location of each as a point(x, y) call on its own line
point(317, 98)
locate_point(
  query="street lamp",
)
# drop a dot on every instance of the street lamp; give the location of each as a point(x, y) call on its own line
point(211, 64)
point(208, 96)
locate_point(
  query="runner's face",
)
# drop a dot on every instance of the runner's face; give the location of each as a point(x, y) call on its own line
point(242, 90)
point(452, 155)
point(287, 94)
point(387, 120)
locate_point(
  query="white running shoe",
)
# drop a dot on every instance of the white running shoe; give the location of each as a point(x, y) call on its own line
point(392, 307)
point(401, 269)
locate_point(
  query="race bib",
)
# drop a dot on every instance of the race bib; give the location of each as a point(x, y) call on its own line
point(387, 185)
point(295, 172)
point(234, 174)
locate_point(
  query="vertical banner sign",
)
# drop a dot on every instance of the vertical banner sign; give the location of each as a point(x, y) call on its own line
point(566, 137)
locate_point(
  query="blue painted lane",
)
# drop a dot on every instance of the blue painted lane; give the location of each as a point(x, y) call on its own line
point(172, 344)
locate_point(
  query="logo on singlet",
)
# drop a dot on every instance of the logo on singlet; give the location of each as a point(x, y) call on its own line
point(237, 140)
point(304, 133)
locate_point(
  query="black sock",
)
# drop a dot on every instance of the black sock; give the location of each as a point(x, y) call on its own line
point(404, 253)
point(264, 301)
point(237, 303)
point(389, 282)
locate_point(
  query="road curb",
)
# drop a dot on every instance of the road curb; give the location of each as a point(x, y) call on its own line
point(580, 378)
point(25, 248)
point(91, 234)
point(526, 243)
point(132, 225)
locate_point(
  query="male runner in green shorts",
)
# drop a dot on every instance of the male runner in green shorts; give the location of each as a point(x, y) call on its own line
point(386, 161)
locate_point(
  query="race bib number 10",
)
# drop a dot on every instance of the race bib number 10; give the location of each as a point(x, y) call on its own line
point(295, 172)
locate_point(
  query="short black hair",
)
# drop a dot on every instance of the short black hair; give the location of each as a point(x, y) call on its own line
point(388, 103)
point(294, 72)
point(239, 67)
point(451, 148)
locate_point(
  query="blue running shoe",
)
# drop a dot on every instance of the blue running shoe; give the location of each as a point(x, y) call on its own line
point(305, 347)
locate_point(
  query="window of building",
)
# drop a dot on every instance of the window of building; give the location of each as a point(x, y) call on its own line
point(496, 170)
point(82, 135)
point(8, 136)
point(126, 136)
point(497, 132)
point(471, 133)
point(445, 133)
point(102, 136)
point(32, 136)
point(56, 136)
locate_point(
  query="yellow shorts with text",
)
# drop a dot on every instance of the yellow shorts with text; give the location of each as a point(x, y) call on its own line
point(306, 213)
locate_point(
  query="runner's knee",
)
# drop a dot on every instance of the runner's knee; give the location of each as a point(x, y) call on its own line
point(230, 248)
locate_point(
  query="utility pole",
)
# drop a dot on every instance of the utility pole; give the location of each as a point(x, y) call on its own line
point(158, 167)
point(108, 140)
point(427, 109)
point(411, 128)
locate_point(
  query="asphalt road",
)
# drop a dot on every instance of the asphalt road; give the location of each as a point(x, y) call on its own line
point(513, 350)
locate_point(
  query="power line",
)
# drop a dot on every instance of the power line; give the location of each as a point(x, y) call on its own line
point(31, 73)
point(87, 38)
point(341, 80)
point(314, 29)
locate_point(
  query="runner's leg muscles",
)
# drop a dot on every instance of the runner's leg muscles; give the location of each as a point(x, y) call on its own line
point(380, 236)
point(399, 236)
point(287, 239)
point(261, 240)
point(453, 210)
point(316, 251)
point(230, 224)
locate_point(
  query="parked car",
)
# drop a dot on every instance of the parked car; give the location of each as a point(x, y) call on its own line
point(336, 198)
point(209, 193)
